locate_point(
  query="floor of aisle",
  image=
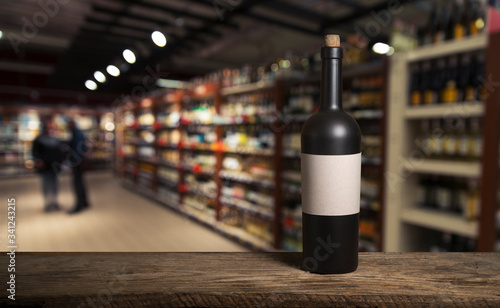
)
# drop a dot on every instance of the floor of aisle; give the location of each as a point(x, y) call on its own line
point(118, 220)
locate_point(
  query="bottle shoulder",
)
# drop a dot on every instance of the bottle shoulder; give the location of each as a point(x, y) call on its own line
point(331, 132)
point(323, 121)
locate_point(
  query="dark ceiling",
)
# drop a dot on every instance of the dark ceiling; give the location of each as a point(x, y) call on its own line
point(47, 52)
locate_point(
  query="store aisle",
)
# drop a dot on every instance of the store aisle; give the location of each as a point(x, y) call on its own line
point(119, 220)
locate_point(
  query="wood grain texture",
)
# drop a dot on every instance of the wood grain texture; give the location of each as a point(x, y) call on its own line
point(252, 279)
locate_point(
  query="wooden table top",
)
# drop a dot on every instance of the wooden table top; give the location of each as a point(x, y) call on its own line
point(252, 279)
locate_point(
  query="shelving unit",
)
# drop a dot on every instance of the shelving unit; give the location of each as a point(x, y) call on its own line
point(405, 219)
point(444, 167)
point(189, 173)
point(20, 125)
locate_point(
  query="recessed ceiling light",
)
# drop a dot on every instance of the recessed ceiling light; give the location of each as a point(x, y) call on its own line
point(91, 85)
point(381, 48)
point(99, 76)
point(113, 70)
point(159, 39)
point(129, 56)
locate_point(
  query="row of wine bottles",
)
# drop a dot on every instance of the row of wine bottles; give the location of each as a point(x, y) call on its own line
point(252, 224)
point(449, 194)
point(457, 78)
point(458, 139)
point(453, 20)
point(361, 93)
point(448, 242)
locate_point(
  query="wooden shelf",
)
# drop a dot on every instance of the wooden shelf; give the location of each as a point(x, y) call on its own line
point(470, 109)
point(446, 48)
point(442, 221)
point(367, 114)
point(261, 85)
point(443, 167)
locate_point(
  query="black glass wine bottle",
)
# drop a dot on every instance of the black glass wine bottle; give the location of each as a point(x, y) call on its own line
point(331, 175)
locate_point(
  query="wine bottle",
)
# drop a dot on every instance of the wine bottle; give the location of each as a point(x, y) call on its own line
point(331, 175)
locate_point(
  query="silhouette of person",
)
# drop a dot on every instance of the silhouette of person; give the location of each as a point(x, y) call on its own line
point(78, 149)
point(48, 155)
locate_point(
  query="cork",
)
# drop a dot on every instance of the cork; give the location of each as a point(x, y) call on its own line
point(332, 40)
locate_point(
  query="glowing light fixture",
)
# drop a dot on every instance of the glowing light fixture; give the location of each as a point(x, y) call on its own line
point(381, 48)
point(99, 76)
point(129, 56)
point(1, 34)
point(113, 70)
point(110, 126)
point(170, 83)
point(91, 85)
point(159, 39)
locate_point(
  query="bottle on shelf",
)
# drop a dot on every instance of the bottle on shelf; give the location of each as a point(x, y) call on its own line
point(460, 27)
point(435, 140)
point(415, 90)
point(449, 92)
point(434, 83)
point(481, 90)
point(331, 172)
point(463, 78)
point(450, 140)
point(477, 22)
point(441, 19)
point(452, 15)
point(475, 140)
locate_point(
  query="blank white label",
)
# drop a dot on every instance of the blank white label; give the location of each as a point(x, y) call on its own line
point(331, 184)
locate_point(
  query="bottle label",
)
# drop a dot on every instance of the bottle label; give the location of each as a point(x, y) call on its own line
point(331, 184)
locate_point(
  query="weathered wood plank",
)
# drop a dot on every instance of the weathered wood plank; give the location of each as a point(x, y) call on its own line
point(253, 279)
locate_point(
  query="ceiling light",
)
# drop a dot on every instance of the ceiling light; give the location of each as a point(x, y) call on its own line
point(1, 34)
point(99, 76)
point(113, 70)
point(91, 85)
point(158, 38)
point(381, 48)
point(170, 83)
point(129, 56)
point(109, 126)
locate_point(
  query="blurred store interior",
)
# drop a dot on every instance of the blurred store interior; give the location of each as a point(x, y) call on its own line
point(192, 110)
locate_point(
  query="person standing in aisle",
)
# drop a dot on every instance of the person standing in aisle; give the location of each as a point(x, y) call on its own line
point(48, 155)
point(78, 149)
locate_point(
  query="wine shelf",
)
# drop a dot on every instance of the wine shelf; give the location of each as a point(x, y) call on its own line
point(402, 217)
point(471, 109)
point(446, 48)
point(445, 167)
point(251, 87)
point(440, 221)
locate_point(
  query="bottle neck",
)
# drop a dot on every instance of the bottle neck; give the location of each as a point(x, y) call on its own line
point(331, 79)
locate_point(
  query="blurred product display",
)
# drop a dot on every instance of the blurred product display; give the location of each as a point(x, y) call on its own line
point(204, 113)
point(436, 175)
point(20, 126)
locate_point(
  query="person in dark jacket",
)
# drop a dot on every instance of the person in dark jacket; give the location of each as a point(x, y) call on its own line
point(47, 153)
point(78, 149)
